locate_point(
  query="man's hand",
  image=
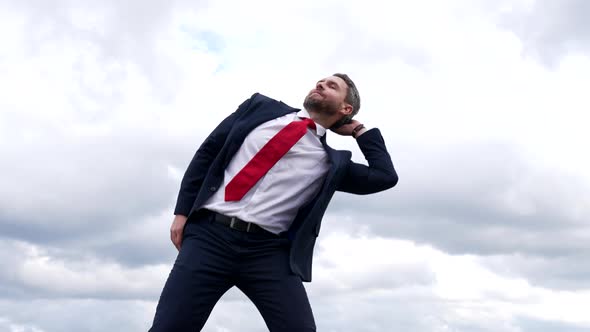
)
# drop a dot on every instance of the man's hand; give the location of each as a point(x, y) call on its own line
point(177, 229)
point(346, 130)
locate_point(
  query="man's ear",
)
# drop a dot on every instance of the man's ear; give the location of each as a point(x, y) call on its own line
point(346, 109)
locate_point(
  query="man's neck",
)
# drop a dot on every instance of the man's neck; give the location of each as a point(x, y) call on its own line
point(326, 121)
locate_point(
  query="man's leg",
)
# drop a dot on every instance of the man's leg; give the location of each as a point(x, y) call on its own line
point(201, 274)
point(266, 278)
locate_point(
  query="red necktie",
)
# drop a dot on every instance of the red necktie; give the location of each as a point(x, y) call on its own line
point(265, 159)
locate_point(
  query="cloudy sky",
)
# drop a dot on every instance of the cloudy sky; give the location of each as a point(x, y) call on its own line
point(482, 105)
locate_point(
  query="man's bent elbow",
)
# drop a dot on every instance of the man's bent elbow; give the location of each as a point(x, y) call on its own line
point(390, 181)
point(384, 182)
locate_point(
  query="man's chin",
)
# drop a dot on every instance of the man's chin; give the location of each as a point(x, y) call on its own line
point(313, 98)
point(310, 104)
point(318, 106)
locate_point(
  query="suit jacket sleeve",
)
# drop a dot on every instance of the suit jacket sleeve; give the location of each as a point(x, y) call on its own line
point(378, 176)
point(199, 165)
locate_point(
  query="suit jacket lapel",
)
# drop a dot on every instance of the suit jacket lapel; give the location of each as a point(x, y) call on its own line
point(260, 116)
point(335, 160)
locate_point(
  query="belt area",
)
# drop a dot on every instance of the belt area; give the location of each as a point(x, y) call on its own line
point(239, 224)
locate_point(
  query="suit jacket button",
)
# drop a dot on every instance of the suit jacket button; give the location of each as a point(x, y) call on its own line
point(213, 188)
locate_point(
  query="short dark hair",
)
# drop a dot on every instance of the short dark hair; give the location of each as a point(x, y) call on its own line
point(352, 97)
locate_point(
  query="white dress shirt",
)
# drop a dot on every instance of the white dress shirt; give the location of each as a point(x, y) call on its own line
point(293, 181)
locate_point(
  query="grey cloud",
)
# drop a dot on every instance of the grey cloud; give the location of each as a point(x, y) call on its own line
point(556, 272)
point(550, 29)
point(110, 197)
point(480, 199)
point(132, 246)
point(484, 186)
point(411, 310)
point(78, 315)
point(86, 187)
point(31, 272)
point(538, 325)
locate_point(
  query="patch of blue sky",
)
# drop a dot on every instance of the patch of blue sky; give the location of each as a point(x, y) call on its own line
point(206, 40)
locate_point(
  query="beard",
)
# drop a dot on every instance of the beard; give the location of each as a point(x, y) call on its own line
point(320, 106)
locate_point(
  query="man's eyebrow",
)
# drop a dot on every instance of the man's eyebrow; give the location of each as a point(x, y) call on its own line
point(333, 82)
point(330, 82)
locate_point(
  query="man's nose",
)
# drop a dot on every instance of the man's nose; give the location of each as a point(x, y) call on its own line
point(319, 86)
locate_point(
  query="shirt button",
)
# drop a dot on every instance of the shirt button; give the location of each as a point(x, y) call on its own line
point(213, 188)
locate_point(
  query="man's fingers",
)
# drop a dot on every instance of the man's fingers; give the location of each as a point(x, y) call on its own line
point(177, 229)
point(176, 238)
point(178, 241)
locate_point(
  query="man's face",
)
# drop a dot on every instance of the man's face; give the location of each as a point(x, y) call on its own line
point(327, 96)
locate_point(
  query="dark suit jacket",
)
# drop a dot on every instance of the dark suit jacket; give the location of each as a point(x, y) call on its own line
point(204, 175)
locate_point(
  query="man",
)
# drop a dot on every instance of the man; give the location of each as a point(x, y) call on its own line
point(251, 203)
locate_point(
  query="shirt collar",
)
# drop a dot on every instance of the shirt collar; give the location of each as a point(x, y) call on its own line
point(320, 131)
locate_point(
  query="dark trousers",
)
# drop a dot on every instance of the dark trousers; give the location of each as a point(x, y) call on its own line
point(212, 259)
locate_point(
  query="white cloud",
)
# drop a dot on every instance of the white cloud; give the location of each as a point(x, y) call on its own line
point(7, 325)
